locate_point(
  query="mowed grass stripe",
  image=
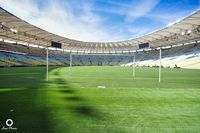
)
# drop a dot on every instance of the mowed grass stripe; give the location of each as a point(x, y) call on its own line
point(75, 104)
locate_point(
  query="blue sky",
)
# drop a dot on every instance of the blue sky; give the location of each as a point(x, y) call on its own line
point(101, 20)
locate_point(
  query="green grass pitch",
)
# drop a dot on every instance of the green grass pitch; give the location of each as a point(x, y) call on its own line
point(100, 100)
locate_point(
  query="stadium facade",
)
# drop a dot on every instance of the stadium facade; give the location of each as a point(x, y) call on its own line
point(23, 44)
point(182, 32)
point(102, 99)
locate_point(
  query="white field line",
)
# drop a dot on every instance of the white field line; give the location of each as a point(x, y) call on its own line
point(94, 77)
point(19, 73)
point(101, 86)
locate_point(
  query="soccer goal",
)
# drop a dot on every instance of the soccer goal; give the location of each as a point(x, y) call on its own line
point(100, 60)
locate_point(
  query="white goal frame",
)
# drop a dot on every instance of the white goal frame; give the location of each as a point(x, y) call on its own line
point(131, 54)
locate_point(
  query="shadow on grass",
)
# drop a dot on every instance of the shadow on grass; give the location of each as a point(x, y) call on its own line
point(81, 107)
point(23, 77)
point(24, 99)
point(24, 106)
point(74, 98)
point(59, 81)
point(67, 91)
point(56, 73)
point(87, 111)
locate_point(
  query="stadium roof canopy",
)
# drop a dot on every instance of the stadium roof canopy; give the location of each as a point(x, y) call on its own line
point(16, 29)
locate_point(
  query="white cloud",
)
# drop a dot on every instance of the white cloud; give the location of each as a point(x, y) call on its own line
point(60, 19)
point(24, 11)
point(141, 8)
point(138, 31)
point(132, 10)
point(169, 18)
point(87, 25)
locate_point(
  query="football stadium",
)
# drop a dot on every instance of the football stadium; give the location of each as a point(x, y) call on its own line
point(51, 83)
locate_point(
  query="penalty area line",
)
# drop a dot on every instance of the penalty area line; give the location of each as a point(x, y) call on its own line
point(19, 73)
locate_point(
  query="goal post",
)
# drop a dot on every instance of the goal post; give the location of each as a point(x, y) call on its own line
point(47, 64)
point(131, 55)
point(160, 58)
point(133, 65)
point(70, 64)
